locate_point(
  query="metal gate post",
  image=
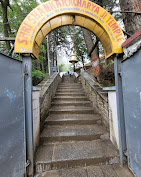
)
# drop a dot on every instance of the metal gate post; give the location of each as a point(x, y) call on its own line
point(120, 109)
point(27, 66)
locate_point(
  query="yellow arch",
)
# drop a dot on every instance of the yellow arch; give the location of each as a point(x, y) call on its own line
point(56, 13)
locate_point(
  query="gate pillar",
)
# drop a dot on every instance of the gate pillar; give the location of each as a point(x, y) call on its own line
point(120, 109)
point(27, 67)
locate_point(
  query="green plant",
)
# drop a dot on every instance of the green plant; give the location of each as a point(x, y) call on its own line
point(37, 77)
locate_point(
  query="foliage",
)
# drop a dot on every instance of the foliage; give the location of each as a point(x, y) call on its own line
point(38, 76)
point(63, 68)
point(12, 17)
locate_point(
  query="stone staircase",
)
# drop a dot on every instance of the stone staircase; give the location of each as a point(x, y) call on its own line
point(74, 143)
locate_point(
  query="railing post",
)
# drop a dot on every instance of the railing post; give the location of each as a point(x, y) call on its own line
point(27, 67)
point(120, 109)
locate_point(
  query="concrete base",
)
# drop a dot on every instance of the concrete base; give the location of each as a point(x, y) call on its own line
point(90, 171)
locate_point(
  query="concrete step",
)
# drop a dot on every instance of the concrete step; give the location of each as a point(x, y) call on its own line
point(70, 94)
point(69, 87)
point(58, 133)
point(72, 154)
point(73, 119)
point(71, 103)
point(70, 90)
point(114, 170)
point(68, 98)
point(71, 110)
point(66, 84)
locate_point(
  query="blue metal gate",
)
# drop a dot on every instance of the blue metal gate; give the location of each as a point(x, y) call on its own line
point(131, 84)
point(12, 118)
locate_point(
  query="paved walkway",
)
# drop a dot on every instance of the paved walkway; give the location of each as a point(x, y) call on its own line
point(74, 143)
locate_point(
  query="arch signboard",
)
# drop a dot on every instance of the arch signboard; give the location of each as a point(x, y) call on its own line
point(56, 13)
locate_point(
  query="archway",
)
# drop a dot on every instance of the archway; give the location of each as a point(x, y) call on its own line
point(49, 16)
point(56, 13)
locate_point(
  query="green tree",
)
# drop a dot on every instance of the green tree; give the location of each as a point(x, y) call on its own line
point(13, 13)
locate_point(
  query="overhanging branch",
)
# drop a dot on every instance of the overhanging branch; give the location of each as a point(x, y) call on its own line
point(139, 13)
point(96, 43)
point(7, 38)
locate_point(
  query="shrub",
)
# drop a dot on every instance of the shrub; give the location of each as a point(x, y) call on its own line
point(37, 77)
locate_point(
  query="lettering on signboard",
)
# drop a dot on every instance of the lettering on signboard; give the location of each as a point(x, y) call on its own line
point(50, 8)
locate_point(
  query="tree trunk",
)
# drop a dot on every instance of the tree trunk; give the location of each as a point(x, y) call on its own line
point(88, 39)
point(7, 29)
point(131, 21)
point(87, 35)
point(89, 42)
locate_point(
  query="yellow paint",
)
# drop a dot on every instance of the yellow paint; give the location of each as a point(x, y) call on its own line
point(39, 38)
point(46, 29)
point(89, 24)
point(55, 13)
point(103, 39)
point(56, 22)
point(67, 19)
point(79, 20)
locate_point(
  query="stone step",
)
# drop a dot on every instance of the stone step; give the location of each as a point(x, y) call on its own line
point(70, 84)
point(71, 90)
point(114, 170)
point(70, 94)
point(72, 154)
point(66, 84)
point(68, 98)
point(71, 110)
point(69, 87)
point(67, 80)
point(58, 133)
point(73, 119)
point(71, 103)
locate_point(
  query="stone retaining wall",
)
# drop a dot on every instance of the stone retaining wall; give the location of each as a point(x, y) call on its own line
point(42, 97)
point(48, 90)
point(99, 102)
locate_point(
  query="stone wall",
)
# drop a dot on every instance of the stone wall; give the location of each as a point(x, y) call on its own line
point(48, 90)
point(42, 96)
point(99, 101)
point(105, 105)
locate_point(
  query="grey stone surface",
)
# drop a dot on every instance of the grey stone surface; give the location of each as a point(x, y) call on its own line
point(122, 171)
point(47, 92)
point(71, 103)
point(44, 153)
point(71, 110)
point(71, 138)
point(99, 101)
point(70, 94)
point(75, 172)
point(76, 153)
point(90, 171)
point(72, 132)
point(73, 90)
point(95, 171)
point(73, 119)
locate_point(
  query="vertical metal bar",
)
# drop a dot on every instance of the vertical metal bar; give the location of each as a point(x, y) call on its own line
point(27, 66)
point(48, 56)
point(120, 109)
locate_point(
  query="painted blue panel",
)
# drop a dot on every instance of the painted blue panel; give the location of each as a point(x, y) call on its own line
point(131, 77)
point(12, 118)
